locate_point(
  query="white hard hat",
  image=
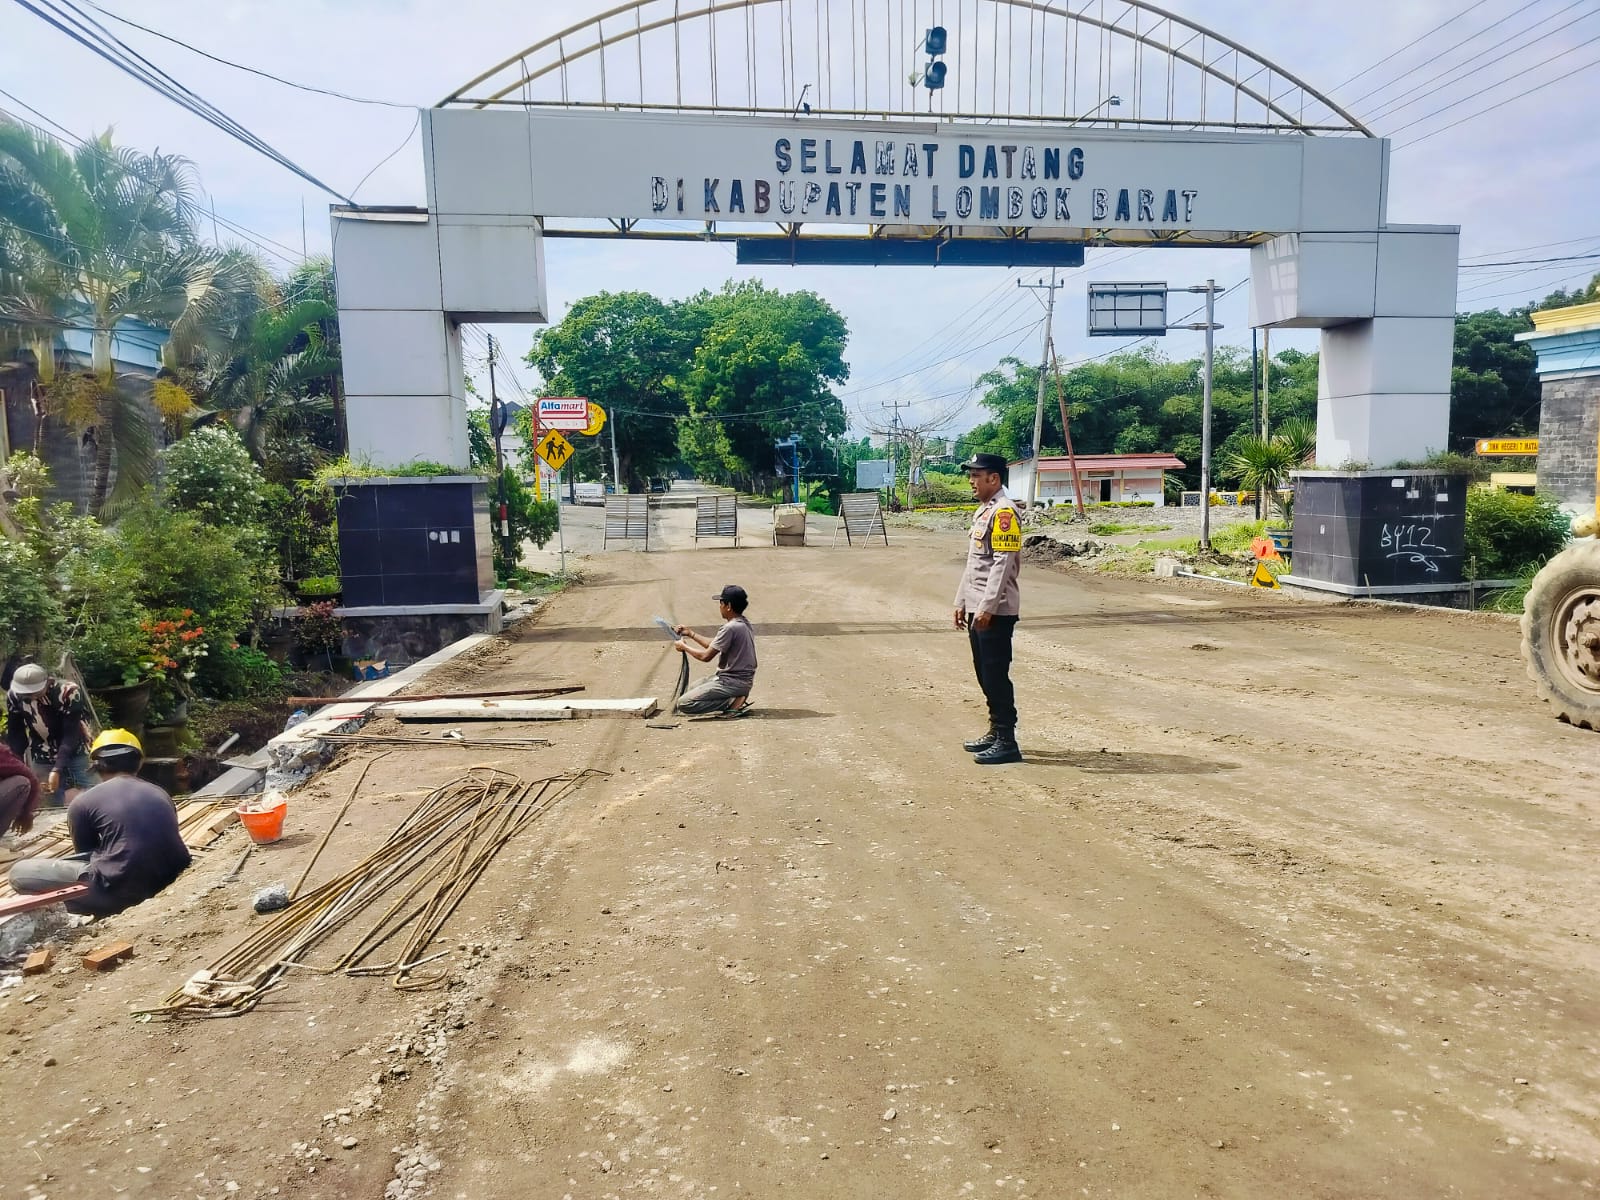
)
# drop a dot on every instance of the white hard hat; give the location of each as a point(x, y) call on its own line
point(29, 680)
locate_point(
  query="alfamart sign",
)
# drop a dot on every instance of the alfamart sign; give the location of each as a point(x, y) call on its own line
point(738, 169)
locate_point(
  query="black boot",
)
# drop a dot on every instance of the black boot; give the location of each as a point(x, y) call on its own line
point(1003, 749)
point(979, 743)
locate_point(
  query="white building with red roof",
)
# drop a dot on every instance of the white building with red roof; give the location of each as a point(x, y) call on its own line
point(1106, 478)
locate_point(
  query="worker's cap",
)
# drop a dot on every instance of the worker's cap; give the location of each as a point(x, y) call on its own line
point(994, 463)
point(732, 594)
point(115, 741)
point(29, 680)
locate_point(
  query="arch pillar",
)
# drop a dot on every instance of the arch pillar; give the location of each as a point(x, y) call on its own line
point(1385, 303)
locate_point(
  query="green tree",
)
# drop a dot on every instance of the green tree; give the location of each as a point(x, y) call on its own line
point(113, 229)
point(1493, 389)
point(625, 351)
point(1561, 298)
point(764, 365)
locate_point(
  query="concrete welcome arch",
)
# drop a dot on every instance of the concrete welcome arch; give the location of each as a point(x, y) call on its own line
point(803, 131)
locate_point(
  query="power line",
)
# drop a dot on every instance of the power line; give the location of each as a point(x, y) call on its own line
point(1538, 87)
point(259, 239)
point(1498, 83)
point(304, 87)
point(1536, 246)
point(415, 125)
point(1408, 45)
point(1412, 71)
point(1529, 262)
point(64, 16)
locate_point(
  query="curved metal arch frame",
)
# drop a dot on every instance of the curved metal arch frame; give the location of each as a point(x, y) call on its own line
point(1043, 7)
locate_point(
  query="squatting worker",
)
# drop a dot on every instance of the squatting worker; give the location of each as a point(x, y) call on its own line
point(125, 832)
point(988, 600)
point(48, 719)
point(19, 794)
point(729, 689)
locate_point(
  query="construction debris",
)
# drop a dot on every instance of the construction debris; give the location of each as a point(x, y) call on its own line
point(39, 961)
point(419, 876)
point(272, 898)
point(318, 701)
point(517, 710)
point(108, 956)
point(419, 739)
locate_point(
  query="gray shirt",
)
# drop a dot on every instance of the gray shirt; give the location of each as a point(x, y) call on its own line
point(736, 642)
point(990, 584)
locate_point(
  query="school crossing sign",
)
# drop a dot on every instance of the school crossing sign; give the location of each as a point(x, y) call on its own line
point(554, 449)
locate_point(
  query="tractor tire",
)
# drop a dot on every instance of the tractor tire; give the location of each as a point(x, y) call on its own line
point(1561, 633)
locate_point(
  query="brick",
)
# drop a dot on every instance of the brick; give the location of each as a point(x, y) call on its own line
point(107, 956)
point(39, 961)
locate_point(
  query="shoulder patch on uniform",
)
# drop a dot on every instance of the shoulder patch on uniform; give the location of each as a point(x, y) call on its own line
point(1005, 535)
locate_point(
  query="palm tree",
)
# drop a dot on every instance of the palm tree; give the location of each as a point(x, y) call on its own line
point(105, 234)
point(266, 382)
point(1263, 464)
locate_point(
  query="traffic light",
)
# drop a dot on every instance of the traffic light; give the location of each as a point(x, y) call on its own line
point(933, 43)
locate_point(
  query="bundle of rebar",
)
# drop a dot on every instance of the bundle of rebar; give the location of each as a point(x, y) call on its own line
point(420, 875)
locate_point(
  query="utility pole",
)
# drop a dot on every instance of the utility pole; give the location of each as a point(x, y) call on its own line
point(616, 468)
point(1210, 326)
point(497, 426)
point(1050, 290)
point(894, 436)
point(1266, 382)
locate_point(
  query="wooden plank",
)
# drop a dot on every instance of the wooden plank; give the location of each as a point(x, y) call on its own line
point(27, 902)
point(519, 710)
point(108, 956)
point(39, 961)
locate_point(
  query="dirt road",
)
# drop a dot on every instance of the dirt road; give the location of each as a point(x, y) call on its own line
point(1288, 900)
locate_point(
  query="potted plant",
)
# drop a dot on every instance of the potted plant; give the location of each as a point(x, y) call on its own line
point(318, 588)
point(111, 655)
point(318, 634)
point(1263, 466)
point(175, 647)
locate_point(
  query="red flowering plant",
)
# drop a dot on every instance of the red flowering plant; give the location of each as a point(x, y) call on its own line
point(175, 647)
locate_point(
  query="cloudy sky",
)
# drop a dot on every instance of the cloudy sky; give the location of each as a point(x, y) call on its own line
point(1520, 176)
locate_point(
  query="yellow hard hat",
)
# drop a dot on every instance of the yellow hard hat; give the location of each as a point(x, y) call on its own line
point(114, 740)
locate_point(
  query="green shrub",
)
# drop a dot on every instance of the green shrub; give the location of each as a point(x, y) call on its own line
point(234, 672)
point(1236, 538)
point(820, 504)
point(181, 564)
point(304, 521)
point(531, 520)
point(30, 613)
point(209, 473)
point(1507, 532)
point(940, 488)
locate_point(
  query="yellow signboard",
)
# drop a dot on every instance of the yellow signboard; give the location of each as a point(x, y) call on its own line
point(554, 449)
point(1264, 578)
point(1490, 447)
point(597, 420)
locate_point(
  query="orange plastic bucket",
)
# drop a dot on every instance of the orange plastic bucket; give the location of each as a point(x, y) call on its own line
point(264, 825)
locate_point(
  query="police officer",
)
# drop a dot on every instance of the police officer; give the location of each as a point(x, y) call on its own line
point(988, 600)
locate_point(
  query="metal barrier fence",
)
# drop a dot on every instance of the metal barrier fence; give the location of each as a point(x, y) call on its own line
point(862, 519)
point(628, 519)
point(717, 516)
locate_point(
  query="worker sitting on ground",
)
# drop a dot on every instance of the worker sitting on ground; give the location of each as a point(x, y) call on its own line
point(48, 719)
point(19, 794)
point(125, 832)
point(728, 691)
